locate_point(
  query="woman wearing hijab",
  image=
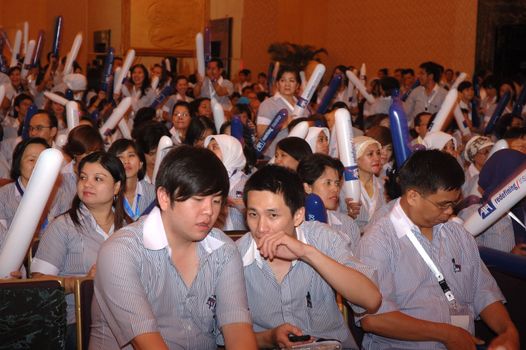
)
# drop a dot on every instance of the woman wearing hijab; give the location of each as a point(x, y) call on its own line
point(230, 151)
point(368, 158)
point(318, 139)
point(476, 153)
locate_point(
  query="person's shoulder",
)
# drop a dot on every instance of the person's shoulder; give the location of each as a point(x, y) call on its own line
point(7, 189)
point(417, 91)
point(322, 236)
point(129, 237)
point(243, 243)
point(220, 236)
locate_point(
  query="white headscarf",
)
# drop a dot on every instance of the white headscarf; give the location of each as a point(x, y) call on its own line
point(362, 142)
point(312, 136)
point(438, 140)
point(233, 157)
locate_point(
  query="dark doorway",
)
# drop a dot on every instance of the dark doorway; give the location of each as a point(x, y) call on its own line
point(501, 34)
point(222, 41)
point(510, 50)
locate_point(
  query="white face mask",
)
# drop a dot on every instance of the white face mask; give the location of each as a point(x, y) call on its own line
point(78, 96)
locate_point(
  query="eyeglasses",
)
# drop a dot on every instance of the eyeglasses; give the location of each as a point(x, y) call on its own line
point(39, 128)
point(181, 114)
point(442, 206)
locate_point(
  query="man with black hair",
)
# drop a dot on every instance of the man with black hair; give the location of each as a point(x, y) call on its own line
point(428, 97)
point(171, 280)
point(430, 274)
point(214, 85)
point(422, 121)
point(292, 267)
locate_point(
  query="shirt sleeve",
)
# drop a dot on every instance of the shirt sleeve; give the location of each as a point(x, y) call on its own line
point(52, 249)
point(232, 302)
point(265, 113)
point(374, 250)
point(119, 292)
point(227, 84)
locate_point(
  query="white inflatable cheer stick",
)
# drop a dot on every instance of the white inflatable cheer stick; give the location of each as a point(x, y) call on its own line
point(462, 76)
point(200, 54)
point(130, 56)
point(309, 90)
point(56, 98)
point(72, 114)
point(360, 86)
point(344, 135)
point(30, 210)
point(509, 193)
point(27, 59)
point(115, 116)
point(16, 48)
point(164, 142)
point(72, 55)
point(440, 119)
point(218, 113)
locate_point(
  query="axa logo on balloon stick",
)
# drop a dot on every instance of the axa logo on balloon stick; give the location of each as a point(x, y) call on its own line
point(489, 207)
point(350, 173)
point(486, 210)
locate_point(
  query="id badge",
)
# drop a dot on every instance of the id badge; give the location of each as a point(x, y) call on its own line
point(459, 316)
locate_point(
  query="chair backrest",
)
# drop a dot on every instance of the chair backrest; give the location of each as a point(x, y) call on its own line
point(33, 315)
point(235, 234)
point(83, 298)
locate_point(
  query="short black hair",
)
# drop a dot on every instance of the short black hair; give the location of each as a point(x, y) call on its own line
point(289, 69)
point(313, 166)
point(143, 115)
point(296, 147)
point(19, 152)
point(514, 133)
point(20, 98)
point(198, 126)
point(429, 171)
point(190, 171)
point(418, 118)
point(388, 84)
point(122, 145)
point(433, 68)
point(464, 85)
point(147, 135)
point(53, 122)
point(218, 61)
point(278, 180)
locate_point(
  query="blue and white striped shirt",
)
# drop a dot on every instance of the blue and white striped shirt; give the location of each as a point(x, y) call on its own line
point(138, 289)
point(408, 285)
point(303, 298)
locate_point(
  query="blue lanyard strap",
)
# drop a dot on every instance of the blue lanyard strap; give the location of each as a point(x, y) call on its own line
point(134, 215)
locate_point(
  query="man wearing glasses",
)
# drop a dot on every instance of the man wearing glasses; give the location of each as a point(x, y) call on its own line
point(43, 125)
point(430, 274)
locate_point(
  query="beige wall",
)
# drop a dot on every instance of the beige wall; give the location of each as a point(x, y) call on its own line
point(41, 15)
point(381, 33)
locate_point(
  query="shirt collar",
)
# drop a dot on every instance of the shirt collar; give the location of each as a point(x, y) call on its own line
point(86, 215)
point(401, 221)
point(278, 96)
point(252, 254)
point(403, 224)
point(154, 235)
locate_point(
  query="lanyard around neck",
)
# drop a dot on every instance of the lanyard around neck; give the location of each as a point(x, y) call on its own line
point(429, 262)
